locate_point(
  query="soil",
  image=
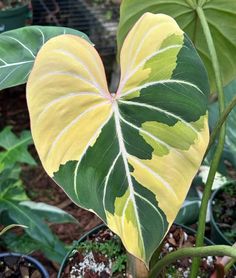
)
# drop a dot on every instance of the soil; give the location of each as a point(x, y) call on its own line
point(101, 255)
point(18, 267)
point(224, 211)
point(87, 262)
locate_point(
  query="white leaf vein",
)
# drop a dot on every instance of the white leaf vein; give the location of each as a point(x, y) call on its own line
point(151, 107)
point(64, 97)
point(167, 81)
point(22, 44)
point(85, 150)
point(124, 155)
point(66, 128)
point(107, 178)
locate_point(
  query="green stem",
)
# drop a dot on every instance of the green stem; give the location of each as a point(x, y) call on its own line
point(229, 265)
point(220, 146)
point(191, 3)
point(221, 121)
point(217, 250)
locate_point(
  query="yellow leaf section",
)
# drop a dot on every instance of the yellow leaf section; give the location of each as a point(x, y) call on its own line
point(152, 35)
point(68, 100)
point(167, 177)
point(181, 136)
point(124, 223)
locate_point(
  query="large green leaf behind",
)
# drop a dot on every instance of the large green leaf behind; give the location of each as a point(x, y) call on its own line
point(220, 15)
point(18, 49)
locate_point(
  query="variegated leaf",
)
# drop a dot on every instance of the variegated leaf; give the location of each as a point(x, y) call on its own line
point(220, 16)
point(129, 157)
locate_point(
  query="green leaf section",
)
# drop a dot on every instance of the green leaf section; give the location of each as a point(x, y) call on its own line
point(25, 244)
point(220, 15)
point(188, 213)
point(49, 213)
point(15, 148)
point(230, 139)
point(19, 47)
point(15, 207)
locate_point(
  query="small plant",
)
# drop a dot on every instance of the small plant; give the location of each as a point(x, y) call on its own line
point(131, 156)
point(112, 249)
point(16, 209)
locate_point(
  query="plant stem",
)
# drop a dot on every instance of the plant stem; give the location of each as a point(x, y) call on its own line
point(136, 268)
point(229, 265)
point(220, 146)
point(221, 121)
point(217, 250)
point(191, 3)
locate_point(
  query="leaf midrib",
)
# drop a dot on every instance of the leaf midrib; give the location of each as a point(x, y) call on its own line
point(125, 160)
point(14, 147)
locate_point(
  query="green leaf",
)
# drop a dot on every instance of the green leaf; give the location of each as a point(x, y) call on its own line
point(123, 156)
point(15, 147)
point(19, 47)
point(189, 212)
point(12, 189)
point(11, 172)
point(37, 228)
point(49, 213)
point(20, 244)
point(230, 139)
point(21, 215)
point(7, 228)
point(25, 244)
point(220, 15)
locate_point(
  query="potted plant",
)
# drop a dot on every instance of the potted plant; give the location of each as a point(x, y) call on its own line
point(130, 156)
point(14, 14)
point(100, 253)
point(17, 208)
point(223, 217)
point(19, 265)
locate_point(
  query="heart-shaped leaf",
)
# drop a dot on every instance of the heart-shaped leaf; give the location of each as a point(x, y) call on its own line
point(129, 157)
point(220, 15)
point(18, 49)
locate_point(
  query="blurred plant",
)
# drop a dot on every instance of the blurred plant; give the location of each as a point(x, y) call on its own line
point(9, 4)
point(15, 206)
point(7, 228)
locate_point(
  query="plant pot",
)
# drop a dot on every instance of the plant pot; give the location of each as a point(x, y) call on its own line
point(24, 263)
point(14, 18)
point(73, 251)
point(217, 234)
